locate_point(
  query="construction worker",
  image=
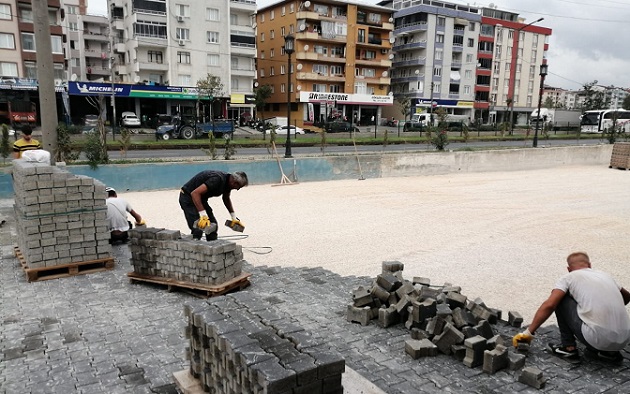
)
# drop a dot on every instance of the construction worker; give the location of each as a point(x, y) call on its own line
point(589, 306)
point(25, 143)
point(117, 222)
point(194, 195)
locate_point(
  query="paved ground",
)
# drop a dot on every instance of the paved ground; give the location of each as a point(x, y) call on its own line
point(501, 236)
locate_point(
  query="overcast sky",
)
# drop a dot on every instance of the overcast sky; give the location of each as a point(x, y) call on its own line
point(590, 39)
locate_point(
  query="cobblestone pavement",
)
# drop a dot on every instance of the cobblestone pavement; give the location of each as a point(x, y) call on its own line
point(99, 333)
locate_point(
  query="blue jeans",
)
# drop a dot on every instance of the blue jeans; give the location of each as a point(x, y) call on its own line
point(570, 323)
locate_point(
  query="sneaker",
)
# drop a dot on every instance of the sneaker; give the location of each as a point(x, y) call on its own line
point(562, 352)
point(614, 357)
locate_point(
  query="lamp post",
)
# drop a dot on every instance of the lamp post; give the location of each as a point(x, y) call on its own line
point(513, 80)
point(543, 73)
point(289, 48)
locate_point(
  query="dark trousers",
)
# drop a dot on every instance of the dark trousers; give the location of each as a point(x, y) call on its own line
point(569, 322)
point(191, 214)
point(119, 236)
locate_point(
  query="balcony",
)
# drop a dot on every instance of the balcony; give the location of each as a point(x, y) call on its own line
point(411, 28)
point(453, 96)
point(311, 76)
point(408, 78)
point(373, 43)
point(151, 41)
point(421, 44)
point(95, 53)
point(458, 48)
point(308, 15)
point(242, 48)
point(119, 48)
point(458, 31)
point(151, 66)
point(119, 24)
point(100, 71)
point(374, 62)
point(245, 5)
point(416, 61)
point(243, 72)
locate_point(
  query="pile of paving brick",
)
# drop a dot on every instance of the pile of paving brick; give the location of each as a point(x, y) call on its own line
point(164, 253)
point(61, 217)
point(441, 320)
point(237, 346)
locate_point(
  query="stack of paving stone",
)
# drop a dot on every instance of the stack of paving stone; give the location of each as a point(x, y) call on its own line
point(61, 217)
point(164, 253)
point(241, 347)
point(440, 319)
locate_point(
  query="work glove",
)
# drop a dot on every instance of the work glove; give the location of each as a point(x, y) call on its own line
point(202, 222)
point(524, 336)
point(235, 221)
point(141, 223)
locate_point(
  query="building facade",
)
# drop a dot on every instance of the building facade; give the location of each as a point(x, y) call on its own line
point(340, 67)
point(88, 46)
point(435, 56)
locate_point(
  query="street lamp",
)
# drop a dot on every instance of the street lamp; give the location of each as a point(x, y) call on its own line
point(289, 48)
point(543, 73)
point(513, 81)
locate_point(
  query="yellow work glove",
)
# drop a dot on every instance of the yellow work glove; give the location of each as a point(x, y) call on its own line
point(524, 336)
point(202, 222)
point(141, 223)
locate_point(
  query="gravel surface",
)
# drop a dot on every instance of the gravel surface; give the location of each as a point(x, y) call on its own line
point(502, 236)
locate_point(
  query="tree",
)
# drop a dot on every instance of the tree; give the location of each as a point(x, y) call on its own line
point(101, 142)
point(4, 143)
point(261, 95)
point(404, 103)
point(626, 103)
point(210, 87)
point(549, 103)
point(593, 99)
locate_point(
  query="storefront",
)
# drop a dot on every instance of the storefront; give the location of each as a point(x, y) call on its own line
point(360, 109)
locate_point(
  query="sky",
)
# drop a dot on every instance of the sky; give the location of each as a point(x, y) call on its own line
point(589, 39)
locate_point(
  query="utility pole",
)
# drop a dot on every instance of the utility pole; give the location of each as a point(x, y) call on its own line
point(45, 78)
point(431, 106)
point(112, 63)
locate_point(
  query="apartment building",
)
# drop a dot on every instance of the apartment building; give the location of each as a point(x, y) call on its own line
point(177, 43)
point(435, 55)
point(516, 50)
point(340, 68)
point(88, 44)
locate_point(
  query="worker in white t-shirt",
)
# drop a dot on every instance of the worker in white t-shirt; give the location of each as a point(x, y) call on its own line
point(589, 307)
point(117, 222)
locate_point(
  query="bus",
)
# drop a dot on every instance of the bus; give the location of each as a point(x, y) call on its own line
point(602, 120)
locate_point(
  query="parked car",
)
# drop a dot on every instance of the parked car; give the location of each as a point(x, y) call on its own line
point(340, 127)
point(294, 130)
point(129, 119)
point(90, 120)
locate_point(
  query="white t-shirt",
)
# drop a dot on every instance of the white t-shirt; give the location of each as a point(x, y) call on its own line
point(117, 209)
point(600, 306)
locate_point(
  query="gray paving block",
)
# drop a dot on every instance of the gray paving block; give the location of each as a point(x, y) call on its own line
point(533, 377)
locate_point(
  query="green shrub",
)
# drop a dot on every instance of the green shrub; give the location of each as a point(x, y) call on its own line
point(440, 140)
point(65, 152)
point(94, 151)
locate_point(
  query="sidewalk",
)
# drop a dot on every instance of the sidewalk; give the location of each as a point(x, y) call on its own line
point(500, 236)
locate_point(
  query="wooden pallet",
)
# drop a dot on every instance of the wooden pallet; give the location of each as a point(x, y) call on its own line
point(186, 383)
point(63, 270)
point(197, 289)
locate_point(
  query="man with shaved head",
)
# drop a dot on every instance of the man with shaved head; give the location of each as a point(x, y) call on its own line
point(589, 307)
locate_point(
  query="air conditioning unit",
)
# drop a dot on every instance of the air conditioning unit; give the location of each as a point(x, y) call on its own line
point(384, 51)
point(180, 18)
point(181, 43)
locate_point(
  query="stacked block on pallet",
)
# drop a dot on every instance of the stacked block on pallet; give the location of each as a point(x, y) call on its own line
point(61, 217)
point(620, 157)
point(236, 348)
point(164, 253)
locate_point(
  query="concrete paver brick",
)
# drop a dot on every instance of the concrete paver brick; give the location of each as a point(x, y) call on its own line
point(475, 348)
point(515, 319)
point(495, 360)
point(417, 348)
point(533, 377)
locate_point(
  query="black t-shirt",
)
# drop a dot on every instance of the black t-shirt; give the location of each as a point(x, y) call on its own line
point(215, 181)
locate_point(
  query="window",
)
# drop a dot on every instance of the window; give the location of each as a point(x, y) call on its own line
point(184, 80)
point(72, 9)
point(182, 10)
point(439, 54)
point(368, 72)
point(472, 26)
point(75, 62)
point(213, 59)
point(26, 15)
point(28, 42)
point(73, 26)
point(282, 31)
point(272, 15)
point(8, 69)
point(155, 57)
point(511, 35)
point(471, 43)
point(335, 89)
point(7, 41)
point(439, 38)
point(370, 55)
point(272, 34)
point(361, 35)
point(360, 87)
point(320, 49)
point(337, 52)
point(319, 87)
point(59, 71)
point(509, 50)
point(262, 37)
point(321, 9)
point(5, 11)
point(496, 67)
point(508, 66)
point(469, 58)
point(282, 88)
point(466, 89)
point(183, 57)
point(320, 69)
point(233, 19)
point(272, 71)
point(182, 33)
point(234, 82)
point(498, 50)
point(212, 14)
point(30, 70)
point(284, 10)
point(262, 54)
point(150, 29)
point(291, 8)
point(336, 70)
point(56, 43)
point(272, 52)
point(374, 18)
point(213, 37)
point(283, 69)
point(506, 83)
point(437, 87)
point(262, 17)
point(441, 21)
point(437, 71)
point(468, 74)
point(262, 72)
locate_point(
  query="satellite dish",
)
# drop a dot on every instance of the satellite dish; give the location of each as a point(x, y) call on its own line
point(390, 94)
point(136, 79)
point(392, 40)
point(491, 5)
point(307, 4)
point(391, 20)
point(302, 27)
point(384, 73)
point(73, 77)
point(306, 47)
point(299, 66)
point(299, 87)
point(391, 56)
point(255, 25)
point(255, 84)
